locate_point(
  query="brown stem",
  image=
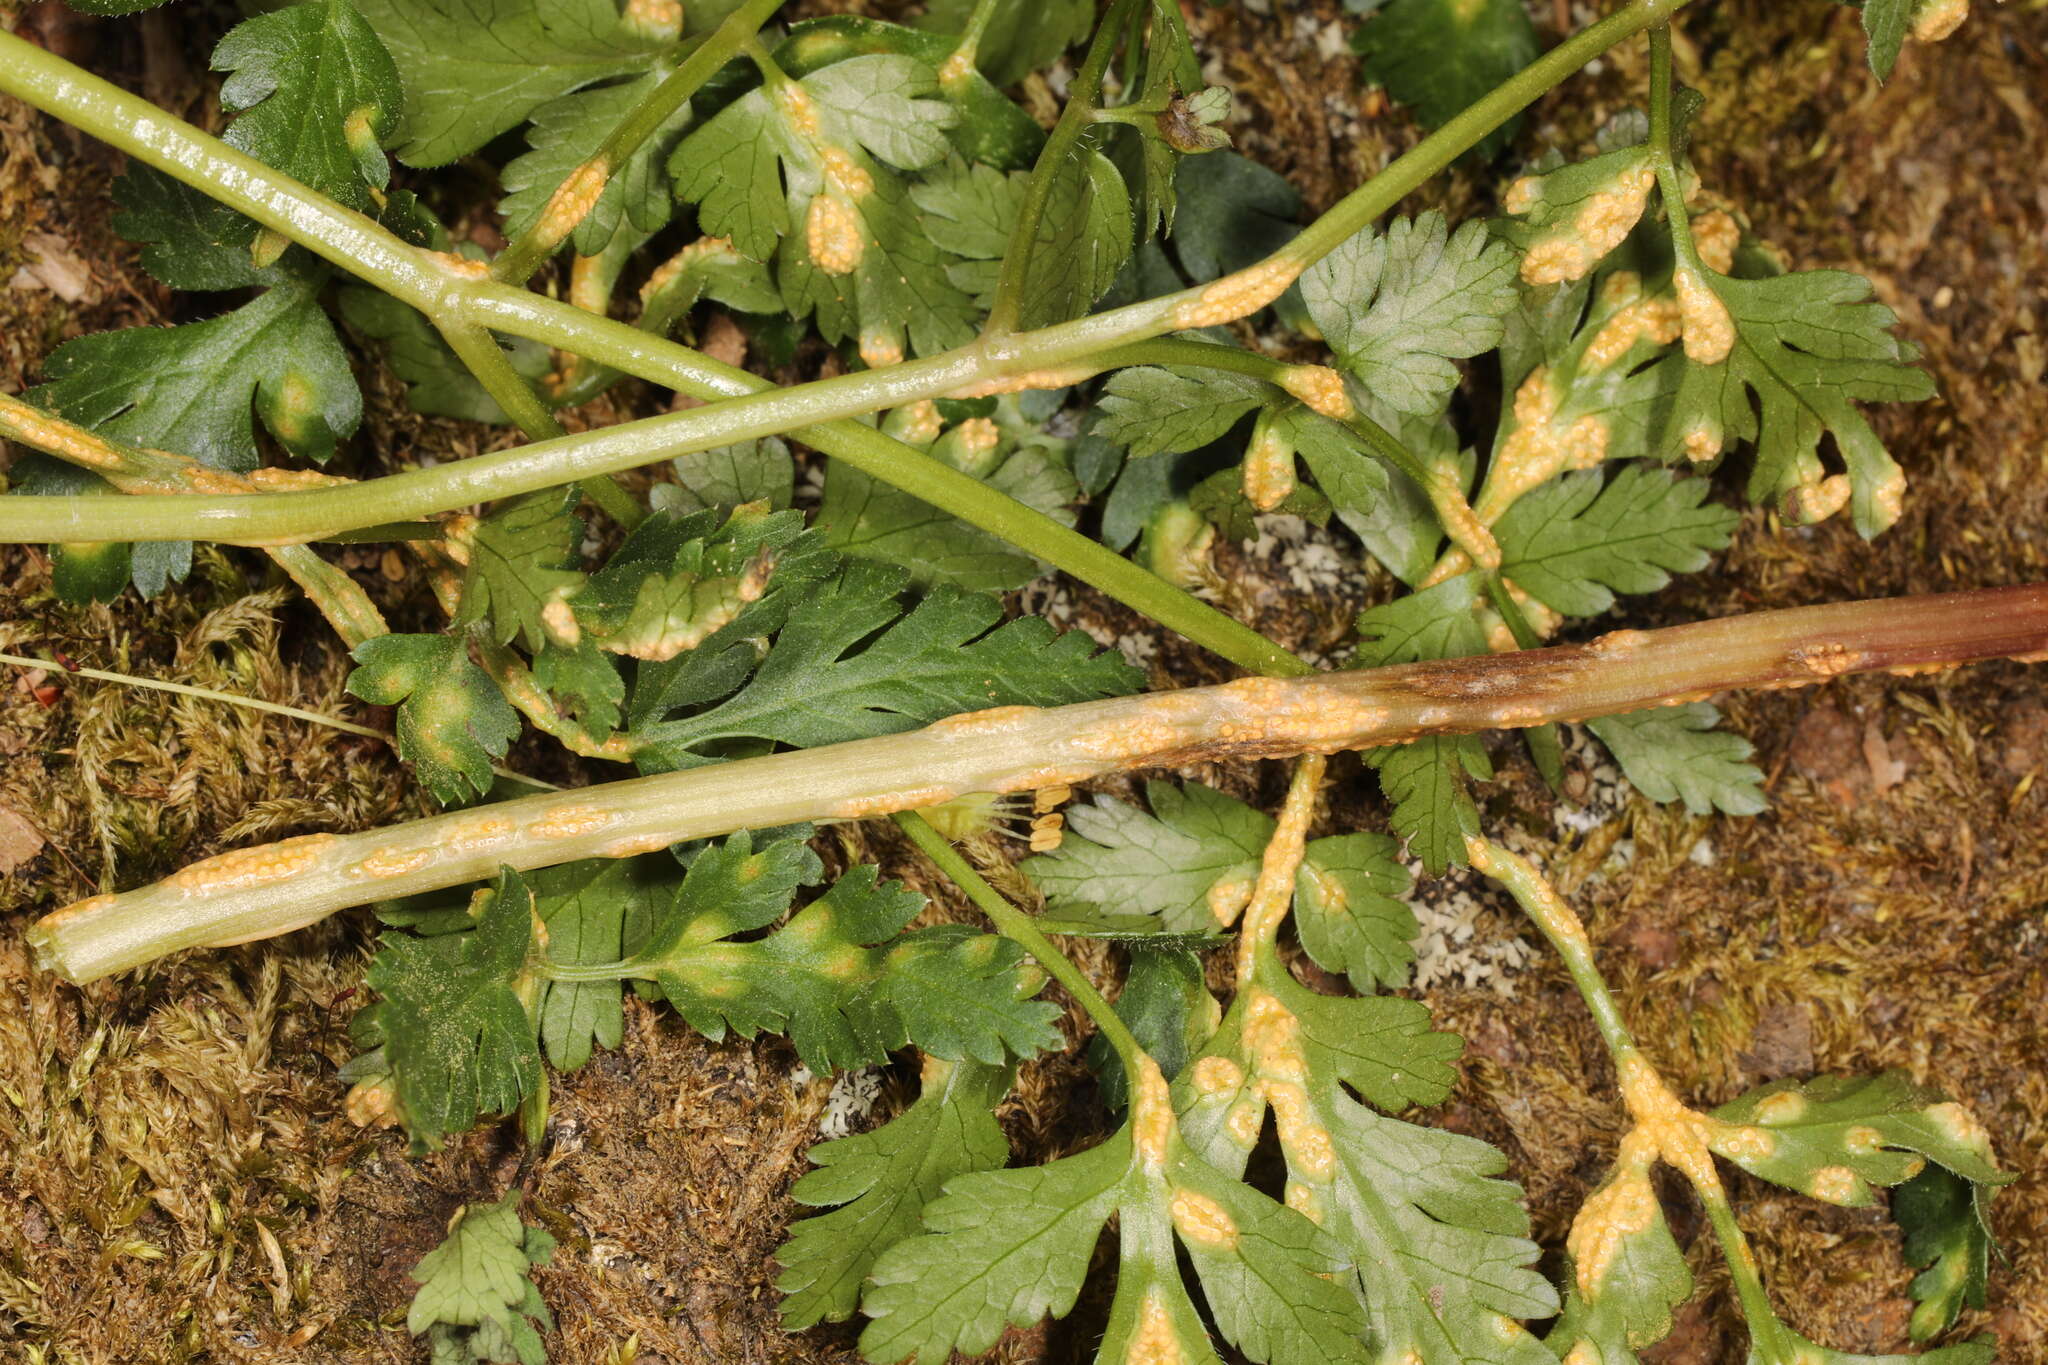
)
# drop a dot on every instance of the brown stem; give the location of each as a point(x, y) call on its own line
point(258, 892)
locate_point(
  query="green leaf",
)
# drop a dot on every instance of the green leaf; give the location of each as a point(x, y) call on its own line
point(1886, 23)
point(1168, 409)
point(1232, 212)
point(850, 664)
point(1349, 913)
point(679, 580)
point(1438, 1252)
point(1166, 1003)
point(598, 910)
point(831, 978)
point(475, 1300)
point(881, 1182)
point(1011, 1247)
point(189, 389)
point(754, 167)
point(564, 134)
point(1577, 540)
point(455, 1032)
point(190, 241)
point(1436, 623)
point(522, 562)
point(1947, 1230)
point(437, 382)
point(584, 681)
point(1382, 506)
point(1433, 810)
point(1399, 308)
point(1674, 753)
point(1083, 239)
point(1439, 56)
point(1623, 1302)
point(863, 517)
point(1835, 1136)
point(725, 477)
point(96, 571)
point(452, 720)
point(991, 129)
point(320, 96)
point(1807, 346)
point(1022, 36)
point(1190, 864)
point(472, 69)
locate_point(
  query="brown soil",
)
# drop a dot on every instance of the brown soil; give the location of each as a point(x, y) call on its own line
point(177, 1182)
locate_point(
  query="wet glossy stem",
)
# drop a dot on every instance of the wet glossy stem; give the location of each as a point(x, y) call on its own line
point(479, 350)
point(1020, 928)
point(283, 887)
point(517, 262)
point(1074, 120)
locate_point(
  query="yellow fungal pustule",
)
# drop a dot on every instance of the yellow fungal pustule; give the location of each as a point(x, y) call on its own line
point(1583, 1352)
point(391, 862)
point(919, 423)
point(1744, 1143)
point(1151, 1116)
point(1275, 889)
point(1228, 897)
point(1557, 919)
point(247, 867)
point(798, 108)
point(1524, 194)
point(1787, 1106)
point(1242, 1120)
point(1597, 228)
point(1236, 295)
point(569, 822)
point(1960, 1125)
point(1715, 236)
point(32, 426)
point(1827, 659)
point(633, 845)
point(671, 269)
point(1835, 1185)
point(1702, 442)
point(1155, 1342)
point(1888, 499)
point(1218, 1076)
point(1320, 387)
point(988, 724)
point(1305, 1200)
point(1679, 1133)
point(956, 68)
point(371, 1104)
point(1050, 798)
point(1709, 330)
point(1655, 320)
point(459, 265)
point(887, 803)
point(845, 174)
point(1331, 896)
point(1808, 503)
point(654, 18)
point(1159, 722)
point(833, 235)
point(573, 199)
point(1056, 377)
point(1936, 19)
point(880, 349)
point(1047, 831)
point(1268, 470)
point(977, 434)
point(1543, 445)
point(270, 479)
point(91, 905)
point(479, 833)
point(1863, 1140)
point(561, 622)
point(1202, 1221)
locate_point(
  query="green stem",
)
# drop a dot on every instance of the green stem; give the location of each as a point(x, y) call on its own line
point(1019, 927)
point(486, 360)
point(969, 45)
point(1565, 934)
point(517, 262)
point(1768, 1345)
point(1059, 146)
point(1664, 146)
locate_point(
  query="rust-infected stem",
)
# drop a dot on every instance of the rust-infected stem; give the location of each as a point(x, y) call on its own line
point(255, 893)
